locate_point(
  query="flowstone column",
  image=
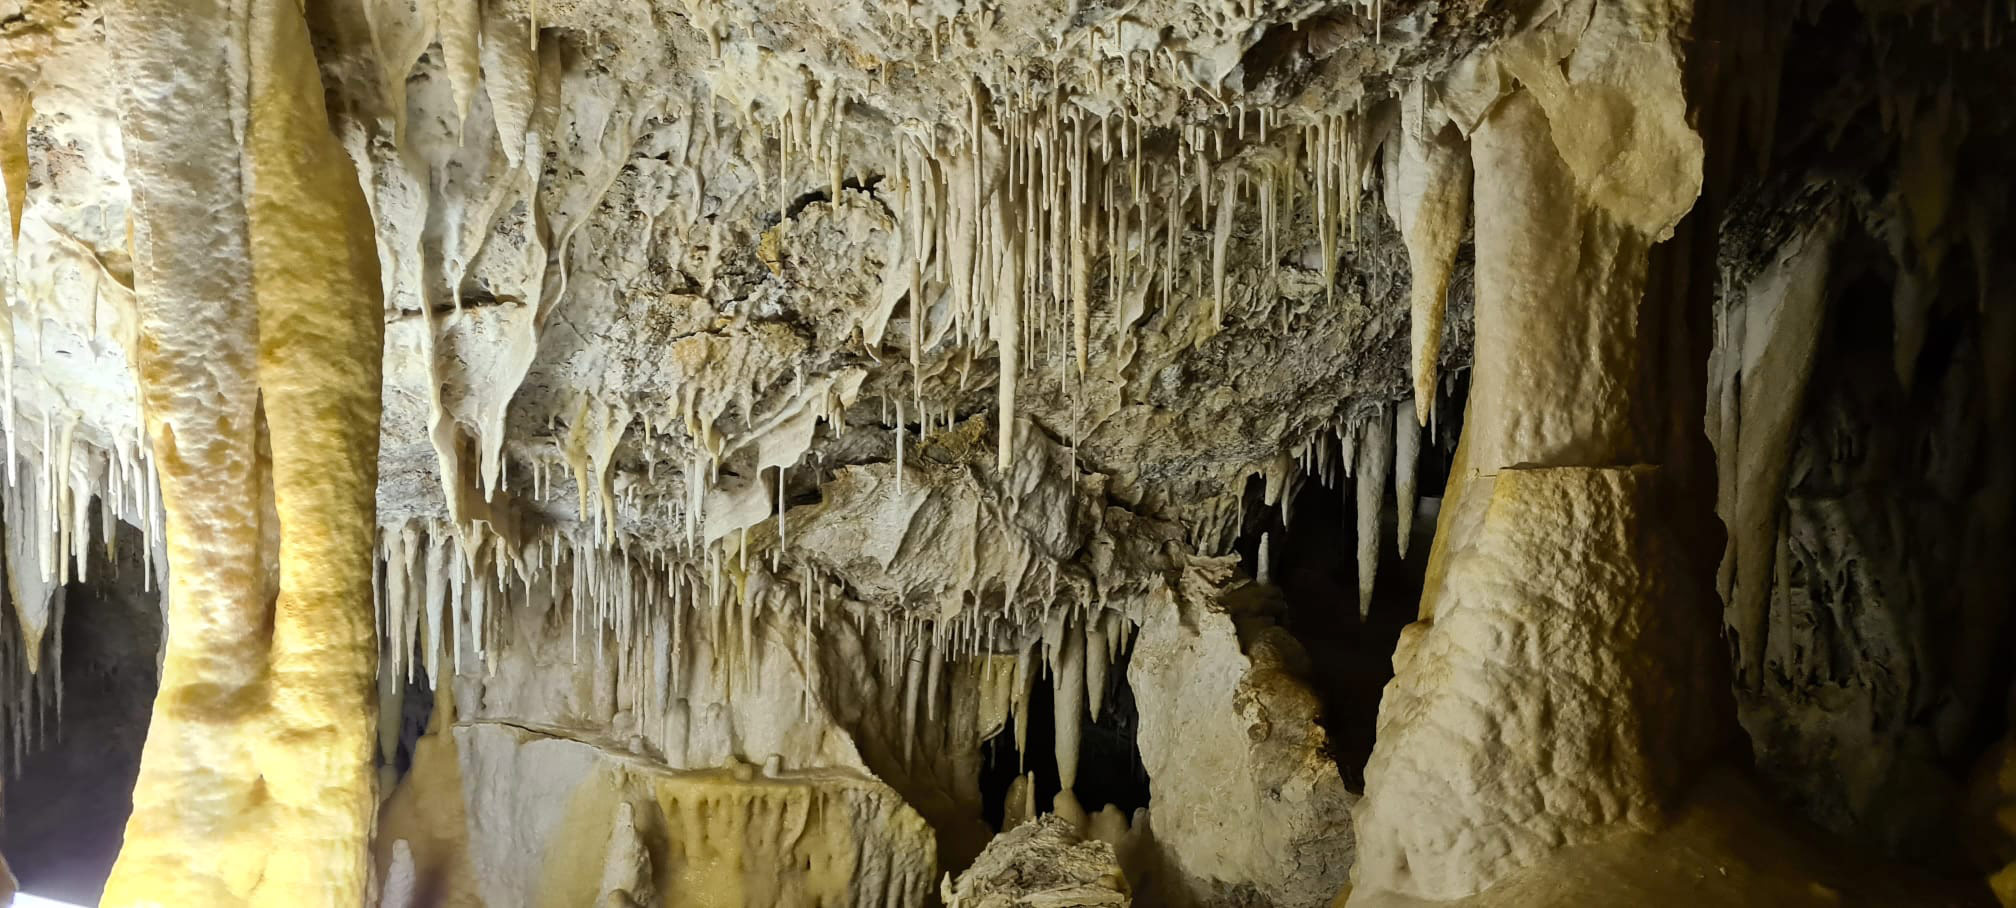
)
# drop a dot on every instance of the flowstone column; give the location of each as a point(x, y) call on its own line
point(260, 335)
point(1560, 683)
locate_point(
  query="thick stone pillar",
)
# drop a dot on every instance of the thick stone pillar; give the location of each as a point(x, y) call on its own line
point(260, 334)
point(1561, 682)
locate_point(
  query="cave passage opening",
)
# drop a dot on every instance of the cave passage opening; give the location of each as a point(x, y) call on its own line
point(1109, 758)
point(416, 710)
point(1312, 566)
point(69, 795)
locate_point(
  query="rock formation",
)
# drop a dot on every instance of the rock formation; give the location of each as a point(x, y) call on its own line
point(792, 452)
point(1041, 862)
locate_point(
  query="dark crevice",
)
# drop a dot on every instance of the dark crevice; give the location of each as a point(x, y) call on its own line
point(475, 295)
point(799, 204)
point(1278, 50)
point(1313, 563)
point(67, 805)
point(416, 709)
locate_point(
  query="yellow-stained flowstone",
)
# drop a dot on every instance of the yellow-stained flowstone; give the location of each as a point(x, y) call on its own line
point(260, 338)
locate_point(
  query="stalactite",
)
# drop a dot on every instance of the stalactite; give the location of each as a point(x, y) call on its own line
point(1406, 462)
point(1007, 322)
point(1221, 238)
point(1428, 195)
point(1097, 654)
point(1025, 680)
point(1371, 478)
point(1067, 687)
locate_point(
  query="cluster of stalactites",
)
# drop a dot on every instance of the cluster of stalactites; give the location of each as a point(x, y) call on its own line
point(1080, 652)
point(1024, 224)
point(1046, 209)
point(652, 621)
point(58, 487)
point(1019, 218)
point(1035, 211)
point(1365, 450)
point(1076, 649)
point(610, 503)
point(637, 614)
point(670, 631)
point(444, 602)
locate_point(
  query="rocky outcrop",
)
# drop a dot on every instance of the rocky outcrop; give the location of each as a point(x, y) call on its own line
point(1041, 864)
point(498, 814)
point(1246, 803)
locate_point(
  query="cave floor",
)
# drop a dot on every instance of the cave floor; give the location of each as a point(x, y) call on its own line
point(1728, 847)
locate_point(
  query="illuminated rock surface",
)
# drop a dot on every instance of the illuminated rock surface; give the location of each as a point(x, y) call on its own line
point(741, 452)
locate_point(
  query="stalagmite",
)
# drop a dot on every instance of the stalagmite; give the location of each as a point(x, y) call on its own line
point(626, 869)
point(259, 307)
point(1066, 807)
point(398, 890)
point(1019, 804)
point(1109, 825)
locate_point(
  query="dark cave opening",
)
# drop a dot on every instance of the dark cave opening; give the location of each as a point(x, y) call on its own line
point(1890, 591)
point(416, 709)
point(68, 799)
point(1312, 562)
point(1109, 760)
